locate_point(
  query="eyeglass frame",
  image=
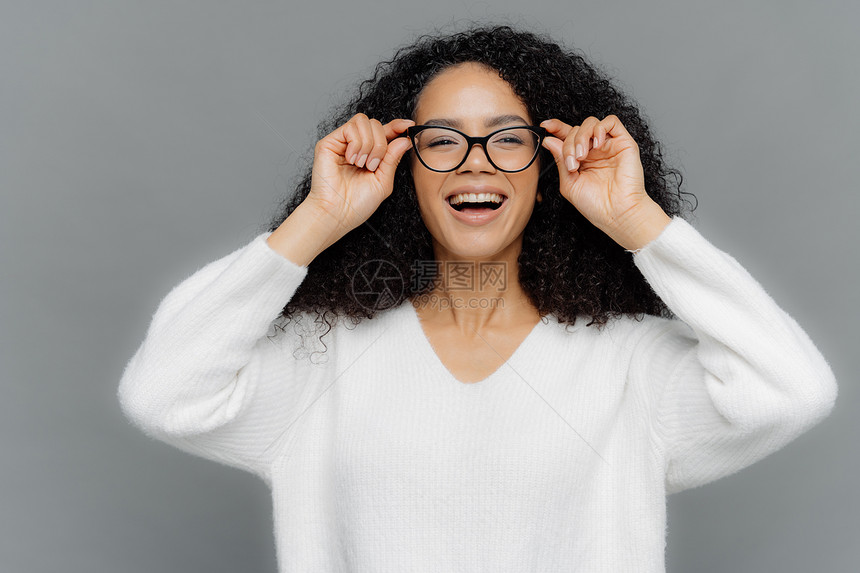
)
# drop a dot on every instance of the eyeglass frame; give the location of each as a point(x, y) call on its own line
point(414, 130)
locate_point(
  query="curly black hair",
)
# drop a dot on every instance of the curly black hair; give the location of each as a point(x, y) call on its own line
point(591, 276)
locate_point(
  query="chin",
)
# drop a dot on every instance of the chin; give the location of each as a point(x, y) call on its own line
point(479, 249)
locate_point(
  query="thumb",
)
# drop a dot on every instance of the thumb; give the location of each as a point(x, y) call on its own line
point(389, 163)
point(556, 147)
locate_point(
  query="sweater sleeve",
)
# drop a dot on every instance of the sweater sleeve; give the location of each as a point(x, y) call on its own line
point(736, 378)
point(201, 379)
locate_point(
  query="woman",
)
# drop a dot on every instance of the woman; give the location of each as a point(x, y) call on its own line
point(576, 351)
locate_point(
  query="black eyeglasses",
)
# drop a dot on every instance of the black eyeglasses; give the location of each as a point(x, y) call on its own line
point(444, 149)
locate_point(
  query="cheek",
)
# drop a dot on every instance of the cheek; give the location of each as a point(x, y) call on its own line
point(527, 181)
point(427, 184)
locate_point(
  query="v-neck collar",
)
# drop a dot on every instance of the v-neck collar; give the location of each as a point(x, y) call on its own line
point(515, 358)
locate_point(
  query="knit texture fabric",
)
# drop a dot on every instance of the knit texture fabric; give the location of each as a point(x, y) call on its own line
point(379, 460)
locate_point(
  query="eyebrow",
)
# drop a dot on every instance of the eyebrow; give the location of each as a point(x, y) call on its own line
point(489, 122)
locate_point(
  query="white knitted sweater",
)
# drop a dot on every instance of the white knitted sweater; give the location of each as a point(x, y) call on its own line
point(380, 461)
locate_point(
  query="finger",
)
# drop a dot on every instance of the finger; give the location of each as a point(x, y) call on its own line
point(583, 138)
point(566, 133)
point(599, 135)
point(571, 161)
point(349, 135)
point(380, 145)
point(611, 126)
point(556, 127)
point(355, 137)
point(365, 133)
point(396, 149)
point(395, 127)
point(556, 148)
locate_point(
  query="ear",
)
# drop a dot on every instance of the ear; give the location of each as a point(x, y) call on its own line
point(538, 197)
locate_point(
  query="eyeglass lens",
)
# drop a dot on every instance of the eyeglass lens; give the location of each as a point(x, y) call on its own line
point(443, 149)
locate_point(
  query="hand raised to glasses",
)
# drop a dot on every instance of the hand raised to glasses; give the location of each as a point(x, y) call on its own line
point(601, 174)
point(353, 169)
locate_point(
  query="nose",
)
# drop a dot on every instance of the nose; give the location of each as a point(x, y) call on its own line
point(477, 161)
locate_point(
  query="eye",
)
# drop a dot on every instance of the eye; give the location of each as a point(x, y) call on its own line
point(507, 139)
point(441, 141)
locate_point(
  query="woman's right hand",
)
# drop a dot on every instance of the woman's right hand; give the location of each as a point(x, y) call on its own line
point(353, 169)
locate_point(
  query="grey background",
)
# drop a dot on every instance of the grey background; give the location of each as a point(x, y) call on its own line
point(141, 140)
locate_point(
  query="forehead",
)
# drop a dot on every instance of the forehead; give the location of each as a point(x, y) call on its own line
point(465, 92)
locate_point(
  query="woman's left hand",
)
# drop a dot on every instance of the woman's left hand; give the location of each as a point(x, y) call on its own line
point(601, 175)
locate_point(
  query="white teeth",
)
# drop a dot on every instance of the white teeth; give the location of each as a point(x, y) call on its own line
point(474, 198)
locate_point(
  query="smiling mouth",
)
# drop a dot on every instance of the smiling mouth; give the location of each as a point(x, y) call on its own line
point(491, 205)
point(478, 204)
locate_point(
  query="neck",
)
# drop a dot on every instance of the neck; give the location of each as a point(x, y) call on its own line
point(474, 293)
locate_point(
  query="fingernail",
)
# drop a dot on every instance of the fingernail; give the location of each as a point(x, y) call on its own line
point(361, 160)
point(374, 163)
point(571, 163)
point(579, 152)
point(352, 159)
